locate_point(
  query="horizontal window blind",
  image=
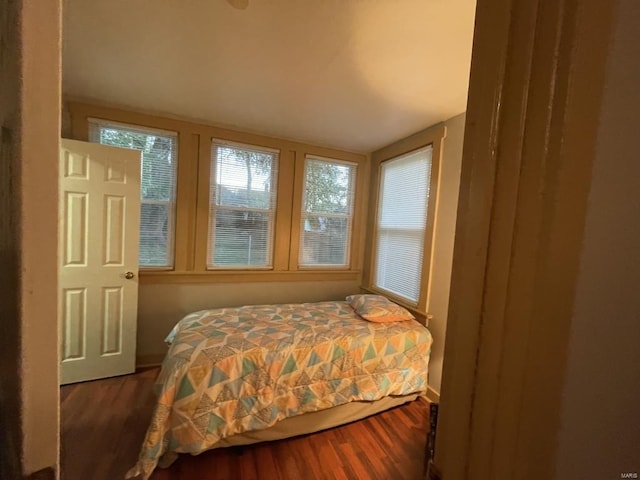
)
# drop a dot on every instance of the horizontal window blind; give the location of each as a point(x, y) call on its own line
point(327, 213)
point(242, 206)
point(401, 223)
point(158, 185)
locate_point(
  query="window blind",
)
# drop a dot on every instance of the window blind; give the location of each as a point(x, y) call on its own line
point(158, 185)
point(327, 212)
point(242, 206)
point(401, 223)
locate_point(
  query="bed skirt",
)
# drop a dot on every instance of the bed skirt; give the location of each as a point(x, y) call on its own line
point(307, 423)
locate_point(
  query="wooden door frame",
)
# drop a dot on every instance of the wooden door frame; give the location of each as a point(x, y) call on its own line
point(536, 79)
point(30, 47)
point(500, 82)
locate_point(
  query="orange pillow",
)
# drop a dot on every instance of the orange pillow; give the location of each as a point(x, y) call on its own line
point(377, 308)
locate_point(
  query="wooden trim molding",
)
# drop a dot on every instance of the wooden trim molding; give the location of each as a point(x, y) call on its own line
point(151, 360)
point(536, 76)
point(432, 395)
point(231, 276)
point(187, 182)
point(412, 142)
point(431, 136)
point(192, 202)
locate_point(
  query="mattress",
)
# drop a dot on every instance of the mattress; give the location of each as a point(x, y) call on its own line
point(237, 370)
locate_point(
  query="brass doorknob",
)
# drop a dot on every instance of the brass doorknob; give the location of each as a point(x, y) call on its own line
point(129, 275)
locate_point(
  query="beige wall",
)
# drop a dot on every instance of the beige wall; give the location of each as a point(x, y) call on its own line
point(443, 237)
point(30, 115)
point(600, 425)
point(161, 306)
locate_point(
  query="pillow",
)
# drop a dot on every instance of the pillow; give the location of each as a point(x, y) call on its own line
point(377, 308)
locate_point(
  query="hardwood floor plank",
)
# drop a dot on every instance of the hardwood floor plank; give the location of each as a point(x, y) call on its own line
point(264, 456)
point(351, 460)
point(104, 423)
point(309, 454)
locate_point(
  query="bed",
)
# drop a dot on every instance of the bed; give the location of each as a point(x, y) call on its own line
point(236, 376)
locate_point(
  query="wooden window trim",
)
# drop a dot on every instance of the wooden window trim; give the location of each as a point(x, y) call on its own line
point(255, 276)
point(98, 122)
point(358, 216)
point(192, 202)
point(272, 211)
point(434, 137)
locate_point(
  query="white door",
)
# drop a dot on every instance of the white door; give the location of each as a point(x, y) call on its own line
point(98, 275)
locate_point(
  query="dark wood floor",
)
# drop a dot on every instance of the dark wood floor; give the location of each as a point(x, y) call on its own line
point(104, 422)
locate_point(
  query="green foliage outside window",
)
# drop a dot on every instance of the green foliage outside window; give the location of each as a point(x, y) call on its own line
point(157, 190)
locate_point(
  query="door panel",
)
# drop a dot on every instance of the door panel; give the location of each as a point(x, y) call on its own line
point(112, 315)
point(74, 307)
point(75, 231)
point(114, 221)
point(99, 234)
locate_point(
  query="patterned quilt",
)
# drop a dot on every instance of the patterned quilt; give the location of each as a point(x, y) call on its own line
point(234, 370)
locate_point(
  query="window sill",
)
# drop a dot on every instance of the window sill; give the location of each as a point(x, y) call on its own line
point(247, 276)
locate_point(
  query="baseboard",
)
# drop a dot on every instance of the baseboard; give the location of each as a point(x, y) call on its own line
point(432, 395)
point(145, 361)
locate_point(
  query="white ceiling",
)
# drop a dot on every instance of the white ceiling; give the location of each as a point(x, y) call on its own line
point(351, 74)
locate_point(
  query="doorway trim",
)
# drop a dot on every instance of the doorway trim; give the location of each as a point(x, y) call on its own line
point(536, 79)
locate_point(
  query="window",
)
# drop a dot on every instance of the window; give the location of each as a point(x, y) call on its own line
point(249, 208)
point(158, 185)
point(242, 199)
point(327, 213)
point(401, 224)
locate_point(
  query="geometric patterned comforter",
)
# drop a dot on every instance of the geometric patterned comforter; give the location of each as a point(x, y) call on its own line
point(233, 370)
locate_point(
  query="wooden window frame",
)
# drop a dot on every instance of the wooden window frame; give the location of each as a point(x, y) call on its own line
point(174, 204)
point(192, 199)
point(433, 137)
point(350, 216)
point(274, 209)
